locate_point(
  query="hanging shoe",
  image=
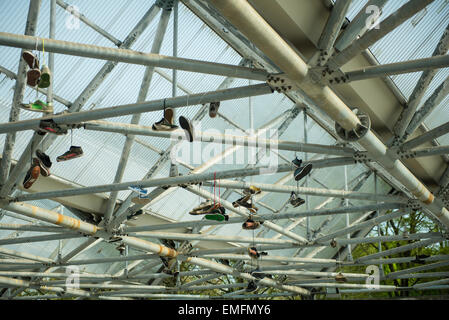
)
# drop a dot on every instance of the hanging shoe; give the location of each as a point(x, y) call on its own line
point(45, 78)
point(139, 190)
point(252, 190)
point(33, 77)
point(203, 208)
point(74, 152)
point(169, 116)
point(296, 201)
point(333, 243)
point(297, 162)
point(121, 248)
point(251, 287)
point(44, 163)
point(32, 174)
point(51, 127)
point(217, 217)
point(30, 59)
point(187, 126)
point(38, 106)
point(252, 252)
point(243, 201)
point(301, 172)
point(213, 109)
point(340, 278)
point(134, 215)
point(251, 225)
point(164, 125)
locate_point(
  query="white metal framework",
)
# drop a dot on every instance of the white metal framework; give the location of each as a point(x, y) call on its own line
point(314, 99)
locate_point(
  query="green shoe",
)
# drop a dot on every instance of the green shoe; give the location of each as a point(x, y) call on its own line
point(38, 106)
point(217, 217)
point(44, 81)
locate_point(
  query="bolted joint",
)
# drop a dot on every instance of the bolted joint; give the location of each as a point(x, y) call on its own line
point(280, 83)
point(165, 4)
point(414, 204)
point(361, 157)
point(359, 131)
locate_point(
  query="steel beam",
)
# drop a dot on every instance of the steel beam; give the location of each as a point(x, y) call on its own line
point(132, 57)
point(21, 167)
point(88, 22)
point(332, 29)
point(404, 13)
point(429, 106)
point(433, 63)
point(150, 106)
point(358, 26)
point(401, 128)
point(19, 91)
point(144, 87)
point(425, 137)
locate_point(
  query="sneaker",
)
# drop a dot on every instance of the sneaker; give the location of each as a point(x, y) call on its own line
point(252, 252)
point(242, 201)
point(164, 125)
point(121, 248)
point(251, 287)
point(333, 243)
point(30, 59)
point(38, 106)
point(340, 278)
point(33, 77)
point(301, 172)
point(297, 162)
point(187, 126)
point(251, 225)
point(296, 201)
point(32, 174)
point(51, 127)
point(135, 215)
point(213, 109)
point(45, 78)
point(168, 115)
point(252, 190)
point(139, 190)
point(74, 152)
point(217, 217)
point(44, 163)
point(203, 208)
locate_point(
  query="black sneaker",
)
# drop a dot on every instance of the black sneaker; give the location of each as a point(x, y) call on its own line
point(44, 162)
point(187, 126)
point(301, 172)
point(251, 287)
point(51, 127)
point(164, 125)
point(297, 162)
point(74, 152)
point(213, 109)
point(296, 201)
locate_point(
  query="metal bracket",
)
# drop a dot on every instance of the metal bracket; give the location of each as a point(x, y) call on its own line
point(165, 4)
point(357, 133)
point(361, 157)
point(414, 204)
point(280, 83)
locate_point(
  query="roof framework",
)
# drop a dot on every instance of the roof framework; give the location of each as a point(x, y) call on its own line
point(79, 219)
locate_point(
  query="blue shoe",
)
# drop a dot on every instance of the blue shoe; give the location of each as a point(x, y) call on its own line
point(301, 172)
point(139, 190)
point(297, 162)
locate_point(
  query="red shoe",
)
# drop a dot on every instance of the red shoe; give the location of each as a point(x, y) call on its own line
point(31, 176)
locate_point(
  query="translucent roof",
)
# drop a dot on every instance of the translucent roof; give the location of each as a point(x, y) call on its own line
point(102, 150)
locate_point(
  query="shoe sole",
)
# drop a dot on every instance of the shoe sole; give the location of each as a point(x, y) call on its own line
point(168, 115)
point(30, 59)
point(185, 124)
point(305, 171)
point(58, 159)
point(34, 174)
point(33, 77)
